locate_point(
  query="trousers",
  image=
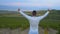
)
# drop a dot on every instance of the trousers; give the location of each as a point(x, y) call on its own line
point(33, 32)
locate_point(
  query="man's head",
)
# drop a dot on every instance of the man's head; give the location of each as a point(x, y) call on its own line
point(18, 9)
point(34, 13)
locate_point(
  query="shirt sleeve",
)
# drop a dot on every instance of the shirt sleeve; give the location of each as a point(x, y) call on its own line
point(41, 17)
point(25, 15)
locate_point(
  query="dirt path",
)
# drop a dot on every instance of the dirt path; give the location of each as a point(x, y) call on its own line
point(18, 31)
point(41, 31)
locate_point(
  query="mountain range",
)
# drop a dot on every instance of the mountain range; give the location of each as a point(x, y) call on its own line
point(4, 7)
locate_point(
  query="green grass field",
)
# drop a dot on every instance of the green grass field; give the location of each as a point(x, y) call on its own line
point(51, 21)
point(13, 22)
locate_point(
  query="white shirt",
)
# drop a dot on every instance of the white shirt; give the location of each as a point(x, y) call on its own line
point(34, 21)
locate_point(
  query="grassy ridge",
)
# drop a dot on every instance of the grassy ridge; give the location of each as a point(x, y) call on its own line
point(52, 20)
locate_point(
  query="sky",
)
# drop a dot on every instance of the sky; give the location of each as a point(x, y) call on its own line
point(30, 4)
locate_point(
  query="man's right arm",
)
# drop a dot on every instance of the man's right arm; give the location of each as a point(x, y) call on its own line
point(25, 15)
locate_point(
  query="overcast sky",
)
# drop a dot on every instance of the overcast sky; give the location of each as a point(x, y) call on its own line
point(32, 3)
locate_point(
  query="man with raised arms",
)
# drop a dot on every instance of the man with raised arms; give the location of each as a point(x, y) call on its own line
point(33, 20)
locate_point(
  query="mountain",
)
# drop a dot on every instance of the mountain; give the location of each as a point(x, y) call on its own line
point(21, 7)
point(3, 7)
point(7, 12)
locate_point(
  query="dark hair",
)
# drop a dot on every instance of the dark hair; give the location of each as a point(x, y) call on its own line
point(34, 13)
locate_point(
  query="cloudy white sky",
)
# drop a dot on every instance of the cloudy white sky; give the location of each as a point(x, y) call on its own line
point(32, 3)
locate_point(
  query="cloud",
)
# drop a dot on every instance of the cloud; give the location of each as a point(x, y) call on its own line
point(26, 4)
point(36, 3)
point(31, 4)
point(11, 4)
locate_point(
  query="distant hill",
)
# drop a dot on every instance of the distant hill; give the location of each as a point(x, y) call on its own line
point(22, 7)
point(7, 12)
point(8, 7)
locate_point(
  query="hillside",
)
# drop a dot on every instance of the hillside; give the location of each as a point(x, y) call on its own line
point(6, 12)
point(51, 21)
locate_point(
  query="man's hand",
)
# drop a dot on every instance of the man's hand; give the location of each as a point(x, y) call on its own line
point(18, 12)
point(48, 10)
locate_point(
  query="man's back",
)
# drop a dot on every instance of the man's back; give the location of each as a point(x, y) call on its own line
point(34, 21)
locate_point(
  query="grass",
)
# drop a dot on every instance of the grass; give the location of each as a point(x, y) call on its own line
point(13, 22)
point(51, 21)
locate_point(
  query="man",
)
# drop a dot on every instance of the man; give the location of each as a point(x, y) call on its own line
point(33, 20)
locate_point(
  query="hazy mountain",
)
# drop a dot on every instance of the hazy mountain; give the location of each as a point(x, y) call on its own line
point(22, 7)
point(7, 12)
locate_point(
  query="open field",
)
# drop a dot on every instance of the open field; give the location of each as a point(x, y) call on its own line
point(13, 22)
point(51, 21)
